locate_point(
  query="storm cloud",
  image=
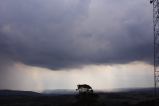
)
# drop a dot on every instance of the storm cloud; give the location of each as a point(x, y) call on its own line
point(59, 34)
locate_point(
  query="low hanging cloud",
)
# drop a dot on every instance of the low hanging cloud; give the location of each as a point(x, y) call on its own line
point(60, 34)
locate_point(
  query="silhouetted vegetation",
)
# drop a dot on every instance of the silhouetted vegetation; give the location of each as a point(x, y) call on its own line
point(93, 99)
point(86, 96)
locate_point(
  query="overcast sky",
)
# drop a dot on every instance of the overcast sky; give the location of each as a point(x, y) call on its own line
point(42, 41)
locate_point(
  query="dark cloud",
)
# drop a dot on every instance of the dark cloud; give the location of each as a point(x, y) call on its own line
point(69, 33)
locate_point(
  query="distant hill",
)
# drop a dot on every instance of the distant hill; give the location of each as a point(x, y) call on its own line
point(63, 97)
point(18, 93)
point(118, 90)
point(67, 92)
point(59, 92)
point(31, 93)
point(148, 90)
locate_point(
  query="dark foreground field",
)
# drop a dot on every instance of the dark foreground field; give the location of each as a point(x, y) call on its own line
point(130, 98)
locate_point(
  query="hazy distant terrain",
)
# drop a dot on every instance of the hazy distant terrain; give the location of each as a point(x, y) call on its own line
point(140, 97)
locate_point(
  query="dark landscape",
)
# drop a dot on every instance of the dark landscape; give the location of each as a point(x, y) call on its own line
point(139, 97)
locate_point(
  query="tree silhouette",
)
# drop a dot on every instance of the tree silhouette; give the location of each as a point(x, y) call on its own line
point(86, 96)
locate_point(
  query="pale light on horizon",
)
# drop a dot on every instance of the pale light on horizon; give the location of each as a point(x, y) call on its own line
point(100, 77)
